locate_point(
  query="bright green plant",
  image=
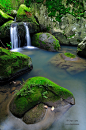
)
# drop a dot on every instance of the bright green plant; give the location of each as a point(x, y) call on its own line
point(69, 55)
point(28, 90)
point(9, 45)
point(44, 93)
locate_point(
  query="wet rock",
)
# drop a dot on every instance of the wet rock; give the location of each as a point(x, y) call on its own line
point(81, 49)
point(35, 115)
point(46, 41)
point(70, 65)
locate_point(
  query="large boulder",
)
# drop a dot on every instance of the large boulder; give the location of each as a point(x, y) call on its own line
point(81, 49)
point(13, 64)
point(71, 63)
point(24, 14)
point(35, 92)
point(46, 41)
point(61, 37)
point(4, 17)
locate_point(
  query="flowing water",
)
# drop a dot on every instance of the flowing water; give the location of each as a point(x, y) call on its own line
point(75, 117)
point(14, 37)
point(27, 35)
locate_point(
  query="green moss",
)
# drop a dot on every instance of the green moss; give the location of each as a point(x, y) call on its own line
point(22, 9)
point(36, 37)
point(43, 42)
point(21, 104)
point(21, 15)
point(69, 55)
point(11, 62)
point(5, 28)
point(43, 83)
point(4, 15)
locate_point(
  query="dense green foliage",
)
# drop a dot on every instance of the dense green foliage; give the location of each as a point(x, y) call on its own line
point(55, 7)
point(11, 4)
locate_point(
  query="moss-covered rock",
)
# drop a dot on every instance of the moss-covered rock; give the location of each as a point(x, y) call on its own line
point(4, 17)
point(5, 29)
point(34, 91)
point(12, 64)
point(46, 41)
point(24, 14)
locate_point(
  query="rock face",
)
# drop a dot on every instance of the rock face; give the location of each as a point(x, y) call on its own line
point(13, 64)
point(35, 92)
point(81, 49)
point(70, 65)
point(72, 30)
point(46, 41)
point(24, 14)
point(4, 17)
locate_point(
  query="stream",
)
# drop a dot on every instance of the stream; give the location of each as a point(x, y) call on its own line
point(75, 117)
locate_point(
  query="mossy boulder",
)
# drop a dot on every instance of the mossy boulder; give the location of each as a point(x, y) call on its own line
point(4, 17)
point(34, 91)
point(13, 64)
point(5, 29)
point(24, 14)
point(46, 41)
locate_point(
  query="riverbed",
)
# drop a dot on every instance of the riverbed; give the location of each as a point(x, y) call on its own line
point(75, 117)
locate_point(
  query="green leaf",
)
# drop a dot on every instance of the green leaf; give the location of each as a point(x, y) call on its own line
point(45, 97)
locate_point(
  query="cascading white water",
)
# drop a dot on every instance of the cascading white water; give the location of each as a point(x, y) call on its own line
point(14, 38)
point(27, 35)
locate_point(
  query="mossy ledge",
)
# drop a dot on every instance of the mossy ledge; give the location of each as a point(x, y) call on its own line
point(34, 91)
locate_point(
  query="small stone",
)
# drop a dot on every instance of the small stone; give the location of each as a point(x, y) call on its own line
point(14, 82)
point(45, 106)
point(52, 108)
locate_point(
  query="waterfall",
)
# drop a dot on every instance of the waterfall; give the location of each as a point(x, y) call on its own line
point(15, 19)
point(27, 35)
point(14, 38)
